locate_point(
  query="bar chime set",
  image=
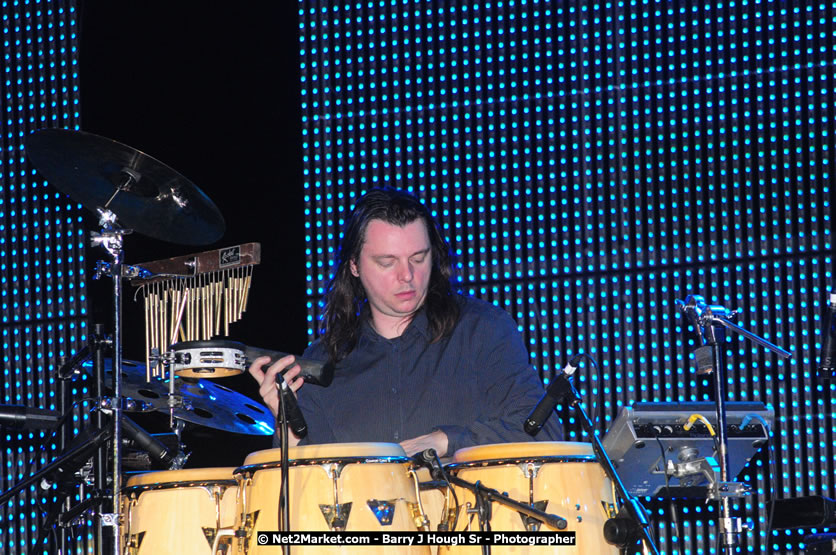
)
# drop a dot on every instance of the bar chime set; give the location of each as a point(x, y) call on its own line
point(194, 298)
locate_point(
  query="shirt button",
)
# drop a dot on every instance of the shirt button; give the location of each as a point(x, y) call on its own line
point(397, 436)
point(394, 390)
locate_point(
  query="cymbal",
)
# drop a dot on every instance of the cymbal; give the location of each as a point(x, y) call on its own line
point(152, 198)
point(203, 402)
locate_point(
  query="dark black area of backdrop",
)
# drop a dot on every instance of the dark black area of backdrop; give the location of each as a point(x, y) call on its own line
point(211, 90)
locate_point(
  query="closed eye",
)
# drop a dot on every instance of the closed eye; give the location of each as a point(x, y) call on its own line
point(385, 262)
point(419, 257)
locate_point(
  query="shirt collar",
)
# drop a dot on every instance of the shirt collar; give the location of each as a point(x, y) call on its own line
point(419, 324)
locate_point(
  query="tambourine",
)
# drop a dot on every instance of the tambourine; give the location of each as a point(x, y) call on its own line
point(219, 358)
point(208, 359)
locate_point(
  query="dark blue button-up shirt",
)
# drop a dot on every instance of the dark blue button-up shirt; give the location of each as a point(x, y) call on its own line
point(476, 385)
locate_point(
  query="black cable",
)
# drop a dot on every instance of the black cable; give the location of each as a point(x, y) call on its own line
point(451, 490)
point(456, 501)
point(600, 376)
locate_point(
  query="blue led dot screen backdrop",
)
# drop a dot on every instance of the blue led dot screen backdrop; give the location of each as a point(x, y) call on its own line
point(591, 163)
point(42, 259)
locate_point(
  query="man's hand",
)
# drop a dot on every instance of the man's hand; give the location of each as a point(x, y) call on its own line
point(268, 386)
point(435, 440)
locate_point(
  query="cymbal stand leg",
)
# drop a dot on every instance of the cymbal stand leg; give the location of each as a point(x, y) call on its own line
point(100, 466)
point(66, 503)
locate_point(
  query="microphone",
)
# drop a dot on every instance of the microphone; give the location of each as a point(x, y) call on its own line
point(828, 348)
point(69, 367)
point(429, 458)
point(78, 452)
point(295, 418)
point(145, 441)
point(27, 418)
point(556, 391)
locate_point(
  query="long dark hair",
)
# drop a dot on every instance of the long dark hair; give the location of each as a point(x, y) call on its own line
point(345, 298)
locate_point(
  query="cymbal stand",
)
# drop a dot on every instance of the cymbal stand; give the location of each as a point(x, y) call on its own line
point(111, 238)
point(63, 406)
point(706, 318)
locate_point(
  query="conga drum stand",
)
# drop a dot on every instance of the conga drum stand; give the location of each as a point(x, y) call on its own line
point(485, 495)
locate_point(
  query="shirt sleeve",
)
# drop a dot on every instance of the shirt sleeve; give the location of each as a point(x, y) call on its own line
point(508, 387)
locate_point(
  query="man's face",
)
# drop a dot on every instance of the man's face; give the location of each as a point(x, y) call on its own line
point(394, 267)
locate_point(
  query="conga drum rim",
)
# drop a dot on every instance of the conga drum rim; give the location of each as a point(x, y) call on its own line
point(183, 478)
point(568, 450)
point(328, 451)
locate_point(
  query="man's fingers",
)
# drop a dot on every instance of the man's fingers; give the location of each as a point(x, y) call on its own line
point(256, 369)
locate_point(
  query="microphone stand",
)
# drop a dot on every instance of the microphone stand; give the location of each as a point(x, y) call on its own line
point(485, 495)
point(70, 461)
point(707, 317)
point(284, 495)
point(639, 528)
